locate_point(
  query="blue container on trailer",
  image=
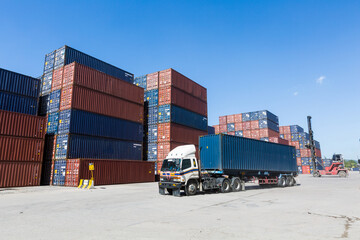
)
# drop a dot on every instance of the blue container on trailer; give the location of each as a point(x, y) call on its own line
point(92, 124)
point(44, 105)
point(265, 123)
point(246, 117)
point(54, 101)
point(296, 129)
point(79, 146)
point(266, 139)
point(294, 137)
point(239, 133)
point(231, 154)
point(265, 114)
point(49, 61)
point(153, 115)
point(66, 55)
point(152, 152)
point(254, 116)
point(53, 123)
point(231, 127)
point(172, 113)
point(211, 130)
point(59, 172)
point(141, 81)
point(19, 84)
point(152, 133)
point(46, 83)
point(16, 103)
point(298, 154)
point(152, 97)
point(299, 170)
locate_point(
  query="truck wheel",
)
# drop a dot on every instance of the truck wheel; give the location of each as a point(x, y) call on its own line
point(191, 188)
point(342, 174)
point(316, 174)
point(236, 184)
point(170, 191)
point(225, 186)
point(291, 181)
point(282, 182)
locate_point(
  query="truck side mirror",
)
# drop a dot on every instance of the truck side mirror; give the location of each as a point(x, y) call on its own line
point(359, 161)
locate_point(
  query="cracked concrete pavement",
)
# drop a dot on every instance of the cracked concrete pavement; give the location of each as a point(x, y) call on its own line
point(319, 208)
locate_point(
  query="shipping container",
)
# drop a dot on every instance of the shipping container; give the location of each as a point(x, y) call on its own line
point(238, 126)
point(171, 132)
point(152, 97)
point(66, 55)
point(171, 113)
point(265, 123)
point(152, 81)
point(78, 146)
point(255, 134)
point(108, 172)
point(19, 84)
point(54, 101)
point(81, 75)
point(52, 123)
point(305, 169)
point(266, 132)
point(153, 115)
point(172, 95)
point(140, 81)
point(296, 129)
point(230, 119)
point(254, 124)
point(246, 125)
point(231, 127)
point(217, 129)
point(152, 152)
point(22, 125)
point(21, 149)
point(87, 123)
point(268, 116)
point(234, 154)
point(211, 130)
point(19, 174)
point(59, 172)
point(239, 133)
point(165, 147)
point(170, 77)
point(49, 61)
point(223, 128)
point(57, 79)
point(254, 116)
point(100, 103)
point(247, 133)
point(231, 133)
point(238, 118)
point(246, 117)
point(152, 133)
point(16, 103)
point(222, 120)
point(46, 83)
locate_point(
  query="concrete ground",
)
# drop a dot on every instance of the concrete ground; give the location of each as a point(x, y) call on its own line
point(319, 208)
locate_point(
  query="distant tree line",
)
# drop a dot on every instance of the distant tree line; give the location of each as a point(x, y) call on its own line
point(351, 164)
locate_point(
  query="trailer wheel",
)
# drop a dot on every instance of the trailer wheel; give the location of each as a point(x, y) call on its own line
point(291, 181)
point(316, 174)
point(191, 188)
point(225, 186)
point(236, 184)
point(342, 174)
point(282, 182)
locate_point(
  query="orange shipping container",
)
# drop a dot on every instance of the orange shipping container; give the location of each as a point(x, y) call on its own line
point(152, 81)
point(230, 119)
point(238, 126)
point(222, 120)
point(254, 124)
point(57, 79)
point(238, 118)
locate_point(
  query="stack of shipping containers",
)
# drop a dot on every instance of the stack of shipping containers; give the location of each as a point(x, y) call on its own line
point(299, 139)
point(95, 114)
point(21, 131)
point(176, 113)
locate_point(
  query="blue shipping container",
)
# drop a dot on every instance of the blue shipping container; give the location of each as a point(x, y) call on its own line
point(294, 137)
point(15, 103)
point(141, 81)
point(239, 133)
point(317, 144)
point(246, 117)
point(46, 83)
point(265, 123)
point(53, 123)
point(153, 115)
point(233, 154)
point(66, 55)
point(78, 146)
point(265, 114)
point(296, 129)
point(152, 97)
point(254, 116)
point(19, 84)
point(298, 154)
point(231, 127)
point(152, 152)
point(211, 130)
point(92, 124)
point(54, 101)
point(49, 62)
point(152, 133)
point(305, 161)
point(182, 116)
point(299, 169)
point(59, 172)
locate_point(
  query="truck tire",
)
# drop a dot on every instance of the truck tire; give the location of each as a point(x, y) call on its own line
point(342, 174)
point(236, 184)
point(225, 186)
point(291, 181)
point(316, 174)
point(282, 182)
point(191, 188)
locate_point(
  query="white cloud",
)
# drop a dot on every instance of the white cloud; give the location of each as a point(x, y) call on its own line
point(320, 80)
point(296, 93)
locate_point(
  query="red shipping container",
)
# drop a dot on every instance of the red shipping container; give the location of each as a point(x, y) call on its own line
point(246, 126)
point(172, 95)
point(152, 81)
point(286, 130)
point(19, 174)
point(305, 152)
point(298, 161)
point(49, 147)
point(178, 133)
point(281, 129)
point(158, 166)
point(317, 152)
point(231, 133)
point(84, 76)
point(223, 128)
point(287, 137)
point(108, 172)
point(57, 79)
point(21, 149)
point(247, 133)
point(238, 126)
point(278, 140)
point(22, 125)
point(230, 118)
point(217, 129)
point(222, 120)
point(92, 101)
point(46, 172)
point(238, 118)
point(165, 147)
point(295, 144)
point(305, 169)
point(254, 124)
point(266, 132)
point(170, 77)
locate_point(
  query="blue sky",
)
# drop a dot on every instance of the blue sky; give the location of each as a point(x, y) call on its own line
point(294, 58)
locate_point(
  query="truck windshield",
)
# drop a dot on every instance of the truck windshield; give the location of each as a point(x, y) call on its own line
point(171, 165)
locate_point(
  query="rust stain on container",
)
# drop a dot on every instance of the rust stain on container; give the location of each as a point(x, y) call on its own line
point(19, 174)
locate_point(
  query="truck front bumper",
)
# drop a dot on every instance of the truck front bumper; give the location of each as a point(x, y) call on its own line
point(170, 185)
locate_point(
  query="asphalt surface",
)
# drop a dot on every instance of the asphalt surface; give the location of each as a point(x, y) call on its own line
point(318, 208)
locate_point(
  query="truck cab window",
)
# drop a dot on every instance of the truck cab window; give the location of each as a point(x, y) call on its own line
point(186, 163)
